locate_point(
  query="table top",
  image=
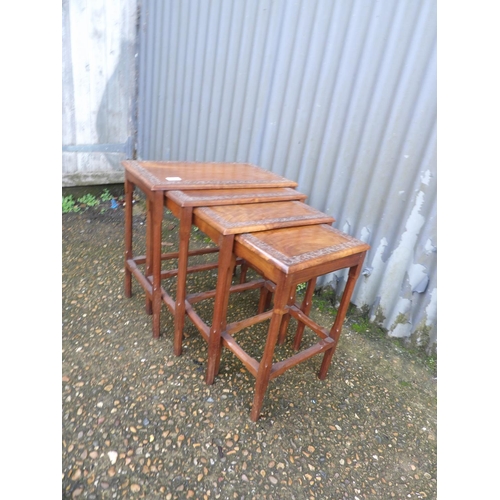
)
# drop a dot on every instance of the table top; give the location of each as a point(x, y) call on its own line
point(213, 197)
point(170, 175)
point(295, 248)
point(237, 219)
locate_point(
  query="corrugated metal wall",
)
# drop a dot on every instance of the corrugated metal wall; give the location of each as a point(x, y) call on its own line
point(338, 95)
point(99, 89)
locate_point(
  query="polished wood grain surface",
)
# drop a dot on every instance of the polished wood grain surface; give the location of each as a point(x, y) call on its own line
point(212, 197)
point(163, 176)
point(237, 219)
point(294, 248)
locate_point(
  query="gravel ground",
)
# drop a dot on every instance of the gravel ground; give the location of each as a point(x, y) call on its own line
point(138, 422)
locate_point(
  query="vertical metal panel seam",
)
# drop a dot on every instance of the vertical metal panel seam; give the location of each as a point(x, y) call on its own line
point(207, 97)
point(300, 94)
point(150, 81)
point(364, 131)
point(162, 79)
point(245, 100)
point(325, 168)
point(308, 124)
point(329, 39)
point(201, 31)
point(191, 88)
point(184, 104)
point(158, 71)
point(203, 58)
point(171, 61)
point(254, 143)
point(216, 100)
point(181, 105)
point(148, 52)
point(261, 138)
point(180, 101)
point(285, 95)
point(224, 138)
point(135, 95)
point(141, 77)
point(161, 69)
point(347, 109)
point(226, 89)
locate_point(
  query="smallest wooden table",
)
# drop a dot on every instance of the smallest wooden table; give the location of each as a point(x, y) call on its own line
point(286, 257)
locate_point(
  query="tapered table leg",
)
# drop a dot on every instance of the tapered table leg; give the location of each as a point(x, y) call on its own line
point(129, 191)
point(156, 234)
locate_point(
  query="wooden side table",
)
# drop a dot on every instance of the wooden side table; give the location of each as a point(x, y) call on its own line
point(287, 257)
point(155, 179)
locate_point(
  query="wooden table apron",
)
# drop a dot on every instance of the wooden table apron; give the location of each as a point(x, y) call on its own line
point(155, 179)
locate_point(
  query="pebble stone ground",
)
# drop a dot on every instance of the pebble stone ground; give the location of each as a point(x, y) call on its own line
point(138, 422)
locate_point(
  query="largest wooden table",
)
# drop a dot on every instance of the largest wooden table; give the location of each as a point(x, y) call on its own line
point(155, 179)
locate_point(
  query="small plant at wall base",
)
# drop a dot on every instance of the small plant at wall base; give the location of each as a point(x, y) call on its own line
point(89, 199)
point(361, 324)
point(106, 195)
point(68, 205)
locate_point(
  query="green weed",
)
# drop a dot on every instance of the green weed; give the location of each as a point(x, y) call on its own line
point(431, 362)
point(370, 330)
point(68, 205)
point(94, 199)
point(362, 325)
point(106, 195)
point(89, 199)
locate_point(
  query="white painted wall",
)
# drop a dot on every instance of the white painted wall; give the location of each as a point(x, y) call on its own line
point(99, 89)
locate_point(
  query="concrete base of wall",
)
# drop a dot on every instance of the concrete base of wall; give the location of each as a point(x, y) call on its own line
point(92, 178)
